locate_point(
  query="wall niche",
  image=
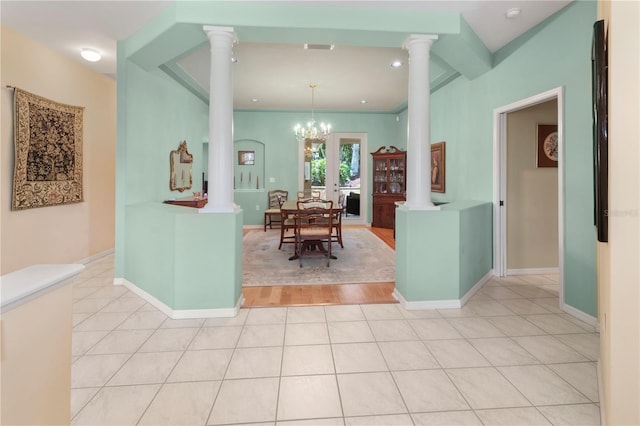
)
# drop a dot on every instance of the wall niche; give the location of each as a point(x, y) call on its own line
point(248, 170)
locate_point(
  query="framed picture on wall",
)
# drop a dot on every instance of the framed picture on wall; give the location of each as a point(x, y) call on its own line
point(547, 145)
point(246, 158)
point(437, 167)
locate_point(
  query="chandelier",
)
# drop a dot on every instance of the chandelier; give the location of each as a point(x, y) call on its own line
point(311, 131)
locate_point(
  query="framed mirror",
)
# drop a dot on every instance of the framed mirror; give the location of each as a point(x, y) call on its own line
point(181, 162)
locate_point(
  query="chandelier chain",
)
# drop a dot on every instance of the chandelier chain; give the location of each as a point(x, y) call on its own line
point(311, 131)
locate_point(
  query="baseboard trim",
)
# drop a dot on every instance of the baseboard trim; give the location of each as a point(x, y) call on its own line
point(254, 227)
point(180, 313)
point(425, 304)
point(209, 313)
point(582, 316)
point(477, 286)
point(441, 304)
point(533, 271)
point(95, 257)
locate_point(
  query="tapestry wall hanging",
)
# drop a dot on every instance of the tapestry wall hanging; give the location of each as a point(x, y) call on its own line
point(48, 152)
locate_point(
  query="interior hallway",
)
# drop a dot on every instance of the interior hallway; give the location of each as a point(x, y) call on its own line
point(509, 356)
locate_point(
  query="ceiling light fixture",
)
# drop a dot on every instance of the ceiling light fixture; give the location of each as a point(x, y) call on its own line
point(254, 99)
point(90, 55)
point(310, 46)
point(311, 131)
point(396, 64)
point(364, 101)
point(513, 13)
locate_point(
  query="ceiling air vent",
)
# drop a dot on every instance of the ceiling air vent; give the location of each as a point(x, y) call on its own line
point(309, 46)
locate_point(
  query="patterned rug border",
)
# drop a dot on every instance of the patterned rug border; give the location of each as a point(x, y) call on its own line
point(265, 265)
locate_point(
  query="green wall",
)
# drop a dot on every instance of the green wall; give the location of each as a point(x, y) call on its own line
point(173, 253)
point(155, 114)
point(557, 55)
point(160, 114)
point(442, 254)
point(275, 131)
point(170, 254)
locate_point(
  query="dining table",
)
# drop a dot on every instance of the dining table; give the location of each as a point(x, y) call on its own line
point(290, 208)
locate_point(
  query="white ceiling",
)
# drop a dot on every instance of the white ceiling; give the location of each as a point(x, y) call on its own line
point(277, 75)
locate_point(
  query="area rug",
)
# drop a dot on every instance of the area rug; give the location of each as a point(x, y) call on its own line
point(364, 259)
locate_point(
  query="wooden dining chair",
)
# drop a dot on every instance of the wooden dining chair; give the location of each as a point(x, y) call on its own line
point(287, 228)
point(272, 214)
point(313, 229)
point(314, 194)
point(336, 227)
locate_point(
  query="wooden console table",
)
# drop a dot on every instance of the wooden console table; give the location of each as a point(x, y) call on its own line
point(188, 202)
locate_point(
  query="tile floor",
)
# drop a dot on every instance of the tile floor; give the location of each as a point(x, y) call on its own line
point(508, 357)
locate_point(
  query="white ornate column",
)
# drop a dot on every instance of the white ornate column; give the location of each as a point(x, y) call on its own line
point(220, 163)
point(419, 132)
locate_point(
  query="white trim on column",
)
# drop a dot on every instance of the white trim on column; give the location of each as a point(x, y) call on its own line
point(180, 313)
point(589, 319)
point(441, 304)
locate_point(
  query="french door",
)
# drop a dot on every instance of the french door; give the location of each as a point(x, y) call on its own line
point(339, 172)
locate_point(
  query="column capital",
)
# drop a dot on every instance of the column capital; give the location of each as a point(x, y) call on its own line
point(211, 31)
point(413, 39)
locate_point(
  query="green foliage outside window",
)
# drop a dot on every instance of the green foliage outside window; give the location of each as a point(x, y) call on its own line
point(319, 161)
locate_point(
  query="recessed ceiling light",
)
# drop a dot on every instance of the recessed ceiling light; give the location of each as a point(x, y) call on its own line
point(254, 99)
point(311, 46)
point(396, 64)
point(364, 101)
point(513, 13)
point(90, 55)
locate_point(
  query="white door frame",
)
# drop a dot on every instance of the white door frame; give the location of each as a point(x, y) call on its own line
point(364, 177)
point(500, 181)
point(334, 140)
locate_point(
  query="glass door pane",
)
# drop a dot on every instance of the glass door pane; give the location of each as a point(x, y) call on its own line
point(349, 167)
point(319, 168)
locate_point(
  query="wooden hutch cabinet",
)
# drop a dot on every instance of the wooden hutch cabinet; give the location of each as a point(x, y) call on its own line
point(389, 185)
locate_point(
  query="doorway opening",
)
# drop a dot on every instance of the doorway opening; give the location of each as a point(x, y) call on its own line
point(338, 171)
point(505, 198)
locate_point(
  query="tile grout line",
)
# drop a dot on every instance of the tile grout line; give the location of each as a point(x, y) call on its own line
point(390, 372)
point(85, 354)
point(222, 380)
point(333, 360)
point(172, 369)
point(449, 320)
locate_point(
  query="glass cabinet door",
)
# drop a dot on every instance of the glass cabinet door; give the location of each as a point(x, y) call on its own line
point(380, 169)
point(396, 176)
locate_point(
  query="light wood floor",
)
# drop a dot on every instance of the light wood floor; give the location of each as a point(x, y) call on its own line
point(324, 294)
